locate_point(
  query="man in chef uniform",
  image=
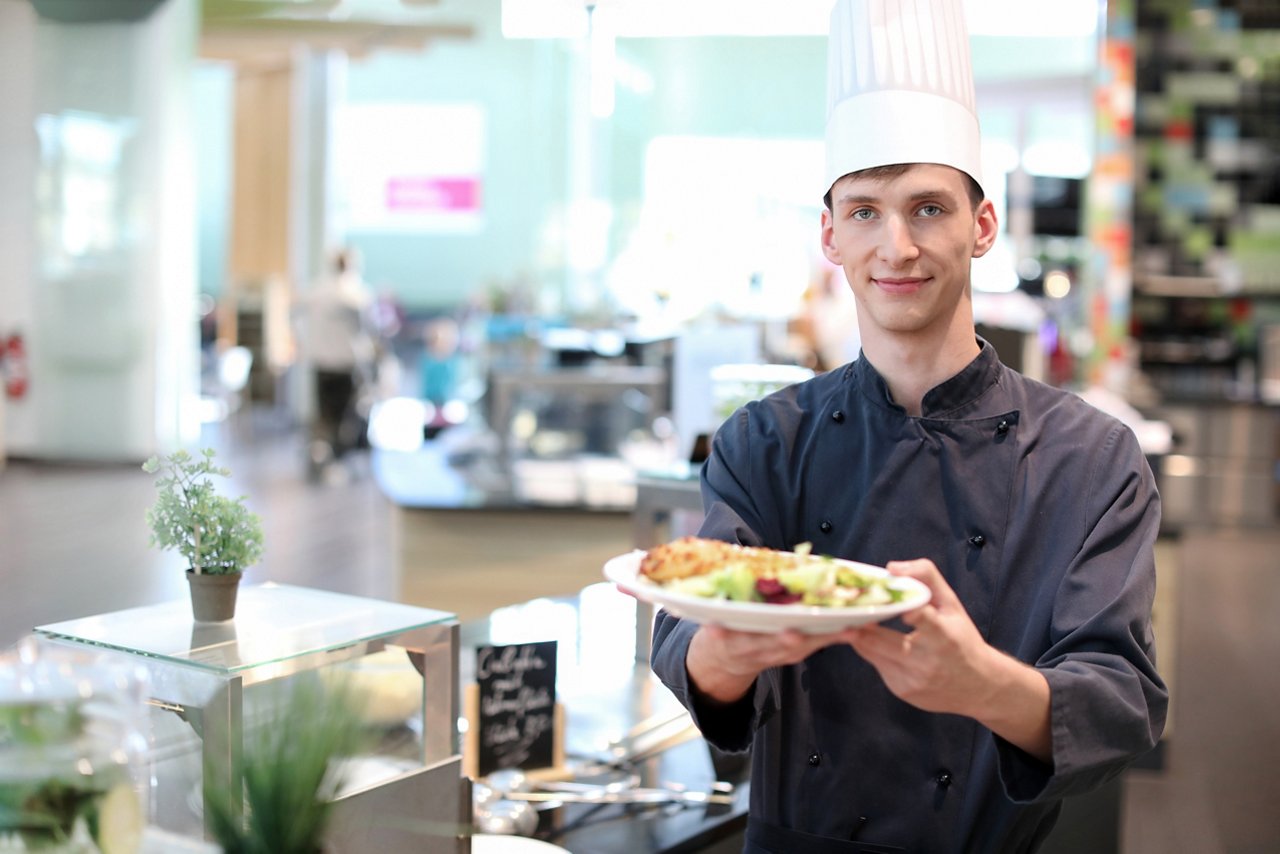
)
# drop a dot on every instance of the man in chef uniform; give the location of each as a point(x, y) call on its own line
point(1030, 516)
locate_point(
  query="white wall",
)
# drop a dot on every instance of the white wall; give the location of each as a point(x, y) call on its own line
point(109, 318)
point(17, 187)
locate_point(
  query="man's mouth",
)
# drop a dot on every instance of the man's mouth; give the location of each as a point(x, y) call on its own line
point(899, 284)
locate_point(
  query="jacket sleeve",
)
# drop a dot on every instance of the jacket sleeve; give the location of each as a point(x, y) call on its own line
point(732, 516)
point(1107, 702)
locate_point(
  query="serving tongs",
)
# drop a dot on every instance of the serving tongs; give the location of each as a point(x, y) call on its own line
point(602, 795)
point(647, 739)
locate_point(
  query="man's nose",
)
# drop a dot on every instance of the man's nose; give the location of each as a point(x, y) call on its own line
point(898, 245)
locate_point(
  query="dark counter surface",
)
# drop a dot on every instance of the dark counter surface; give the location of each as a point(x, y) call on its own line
point(605, 693)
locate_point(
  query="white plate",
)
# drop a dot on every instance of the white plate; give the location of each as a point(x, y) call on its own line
point(489, 843)
point(624, 570)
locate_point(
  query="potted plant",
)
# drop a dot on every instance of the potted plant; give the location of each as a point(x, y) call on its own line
point(219, 536)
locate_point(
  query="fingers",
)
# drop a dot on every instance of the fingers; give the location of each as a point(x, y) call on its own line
point(922, 617)
point(927, 573)
point(792, 646)
point(921, 569)
point(877, 643)
point(768, 649)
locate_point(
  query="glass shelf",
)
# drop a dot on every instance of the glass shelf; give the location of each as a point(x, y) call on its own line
point(274, 623)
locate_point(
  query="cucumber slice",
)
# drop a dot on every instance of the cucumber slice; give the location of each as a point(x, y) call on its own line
point(119, 823)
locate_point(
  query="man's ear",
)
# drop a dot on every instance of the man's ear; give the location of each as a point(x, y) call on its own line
point(985, 228)
point(829, 248)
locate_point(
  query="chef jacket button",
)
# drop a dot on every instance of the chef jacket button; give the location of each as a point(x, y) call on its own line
point(838, 416)
point(1002, 427)
point(815, 760)
point(943, 778)
point(825, 526)
point(977, 541)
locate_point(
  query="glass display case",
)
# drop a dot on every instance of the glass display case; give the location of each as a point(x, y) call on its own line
point(71, 752)
point(210, 682)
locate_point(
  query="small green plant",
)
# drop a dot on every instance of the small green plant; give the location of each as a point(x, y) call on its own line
point(216, 534)
point(292, 771)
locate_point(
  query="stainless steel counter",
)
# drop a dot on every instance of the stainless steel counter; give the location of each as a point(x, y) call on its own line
point(1224, 468)
point(464, 470)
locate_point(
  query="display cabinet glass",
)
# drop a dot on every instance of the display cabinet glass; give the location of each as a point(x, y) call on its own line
point(209, 683)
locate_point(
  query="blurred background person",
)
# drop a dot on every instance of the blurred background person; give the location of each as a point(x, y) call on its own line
point(828, 320)
point(336, 318)
point(438, 368)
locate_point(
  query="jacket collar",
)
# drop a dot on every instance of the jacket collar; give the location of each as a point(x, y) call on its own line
point(944, 400)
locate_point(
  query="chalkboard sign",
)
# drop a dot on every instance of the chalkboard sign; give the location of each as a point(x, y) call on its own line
point(517, 705)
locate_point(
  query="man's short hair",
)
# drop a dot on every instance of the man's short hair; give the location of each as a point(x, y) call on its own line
point(897, 170)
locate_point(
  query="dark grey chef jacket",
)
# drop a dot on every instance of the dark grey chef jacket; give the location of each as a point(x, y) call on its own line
point(1040, 511)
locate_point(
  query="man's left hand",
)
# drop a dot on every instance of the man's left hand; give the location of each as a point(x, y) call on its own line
point(937, 666)
point(944, 665)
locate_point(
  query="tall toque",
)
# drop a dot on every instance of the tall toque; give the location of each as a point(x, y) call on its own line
point(900, 87)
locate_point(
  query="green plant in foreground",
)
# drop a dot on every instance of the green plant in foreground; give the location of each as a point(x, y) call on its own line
point(290, 772)
point(216, 534)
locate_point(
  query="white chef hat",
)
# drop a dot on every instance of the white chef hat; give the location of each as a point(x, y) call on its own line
point(900, 87)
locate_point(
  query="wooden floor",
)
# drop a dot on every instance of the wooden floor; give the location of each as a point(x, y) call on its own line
point(73, 542)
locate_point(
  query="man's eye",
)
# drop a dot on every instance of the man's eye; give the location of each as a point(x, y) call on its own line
point(930, 210)
point(862, 213)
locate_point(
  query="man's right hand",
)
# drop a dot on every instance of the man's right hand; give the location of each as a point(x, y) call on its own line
point(723, 664)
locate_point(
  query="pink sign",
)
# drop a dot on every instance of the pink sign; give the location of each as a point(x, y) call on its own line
point(433, 194)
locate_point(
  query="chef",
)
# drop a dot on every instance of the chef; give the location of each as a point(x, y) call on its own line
point(1031, 516)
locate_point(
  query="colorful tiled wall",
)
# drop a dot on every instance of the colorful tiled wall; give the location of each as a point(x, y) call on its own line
point(1206, 223)
point(1207, 134)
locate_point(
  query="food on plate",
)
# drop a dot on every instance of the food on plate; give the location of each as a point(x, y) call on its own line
point(689, 556)
point(717, 570)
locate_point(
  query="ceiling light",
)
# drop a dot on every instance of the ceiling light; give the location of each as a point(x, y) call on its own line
point(1057, 284)
point(650, 18)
